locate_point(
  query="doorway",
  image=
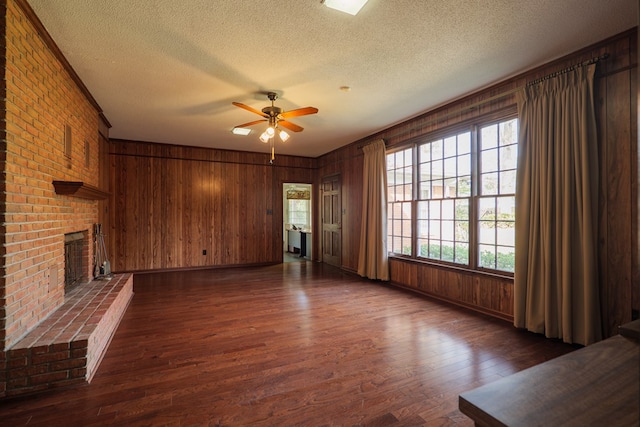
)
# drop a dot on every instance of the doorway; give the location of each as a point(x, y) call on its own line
point(297, 222)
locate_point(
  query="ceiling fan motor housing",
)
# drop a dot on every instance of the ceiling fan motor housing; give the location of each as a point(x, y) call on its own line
point(272, 111)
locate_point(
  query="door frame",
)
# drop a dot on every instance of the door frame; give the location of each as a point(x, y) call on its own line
point(312, 213)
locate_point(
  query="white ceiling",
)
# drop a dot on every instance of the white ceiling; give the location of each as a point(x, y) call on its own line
point(167, 71)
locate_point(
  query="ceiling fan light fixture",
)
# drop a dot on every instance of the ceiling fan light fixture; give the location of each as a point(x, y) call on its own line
point(264, 137)
point(352, 7)
point(284, 136)
point(241, 131)
point(270, 131)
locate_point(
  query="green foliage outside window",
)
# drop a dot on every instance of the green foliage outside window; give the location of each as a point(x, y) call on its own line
point(460, 254)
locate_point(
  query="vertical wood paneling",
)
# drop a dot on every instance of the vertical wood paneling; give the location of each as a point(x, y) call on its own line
point(134, 245)
point(603, 218)
point(175, 202)
point(117, 203)
point(158, 202)
point(618, 185)
point(216, 226)
point(234, 212)
point(618, 203)
point(635, 178)
point(352, 206)
point(144, 212)
point(172, 209)
point(488, 294)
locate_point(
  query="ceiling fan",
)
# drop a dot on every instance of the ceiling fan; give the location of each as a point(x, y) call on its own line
point(276, 117)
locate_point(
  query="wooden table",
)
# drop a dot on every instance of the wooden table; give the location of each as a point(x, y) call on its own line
point(598, 385)
point(631, 329)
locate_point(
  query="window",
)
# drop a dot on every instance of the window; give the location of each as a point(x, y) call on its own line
point(451, 218)
point(400, 196)
point(498, 151)
point(444, 169)
point(298, 212)
point(297, 205)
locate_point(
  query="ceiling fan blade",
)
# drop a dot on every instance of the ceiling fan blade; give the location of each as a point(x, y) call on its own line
point(291, 126)
point(244, 125)
point(253, 110)
point(299, 112)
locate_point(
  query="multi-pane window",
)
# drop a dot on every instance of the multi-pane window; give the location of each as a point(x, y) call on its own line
point(444, 170)
point(498, 150)
point(463, 209)
point(400, 196)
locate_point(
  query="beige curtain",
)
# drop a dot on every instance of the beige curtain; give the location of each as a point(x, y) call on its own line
point(556, 276)
point(373, 260)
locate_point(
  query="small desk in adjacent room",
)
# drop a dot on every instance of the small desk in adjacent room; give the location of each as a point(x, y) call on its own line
point(598, 385)
point(299, 242)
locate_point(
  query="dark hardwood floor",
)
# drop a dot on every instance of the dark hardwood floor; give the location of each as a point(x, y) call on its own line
point(295, 344)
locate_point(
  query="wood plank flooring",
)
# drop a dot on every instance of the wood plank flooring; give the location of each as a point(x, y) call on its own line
point(295, 344)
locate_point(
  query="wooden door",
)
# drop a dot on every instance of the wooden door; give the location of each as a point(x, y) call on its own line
point(332, 221)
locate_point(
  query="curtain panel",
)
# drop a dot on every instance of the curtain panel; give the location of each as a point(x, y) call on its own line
point(556, 272)
point(373, 260)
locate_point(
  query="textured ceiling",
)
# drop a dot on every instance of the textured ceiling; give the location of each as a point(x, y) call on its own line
point(167, 71)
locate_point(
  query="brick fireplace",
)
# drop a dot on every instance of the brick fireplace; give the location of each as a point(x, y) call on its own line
point(52, 130)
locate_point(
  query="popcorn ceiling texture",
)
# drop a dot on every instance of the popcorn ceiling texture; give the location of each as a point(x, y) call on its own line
point(167, 71)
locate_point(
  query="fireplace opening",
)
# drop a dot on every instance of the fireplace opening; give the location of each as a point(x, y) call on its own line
point(75, 259)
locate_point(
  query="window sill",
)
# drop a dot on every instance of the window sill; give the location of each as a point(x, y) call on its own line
point(452, 267)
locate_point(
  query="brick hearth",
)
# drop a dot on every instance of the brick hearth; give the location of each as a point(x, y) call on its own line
point(67, 347)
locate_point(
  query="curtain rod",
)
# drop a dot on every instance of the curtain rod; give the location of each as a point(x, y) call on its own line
point(593, 60)
point(487, 100)
point(364, 144)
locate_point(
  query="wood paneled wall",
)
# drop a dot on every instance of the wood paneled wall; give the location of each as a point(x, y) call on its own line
point(489, 294)
point(618, 257)
point(617, 113)
point(348, 162)
point(172, 203)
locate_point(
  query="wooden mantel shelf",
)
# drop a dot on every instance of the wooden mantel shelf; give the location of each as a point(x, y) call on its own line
point(79, 189)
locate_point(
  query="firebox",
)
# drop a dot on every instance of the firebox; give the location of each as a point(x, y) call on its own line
point(76, 254)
